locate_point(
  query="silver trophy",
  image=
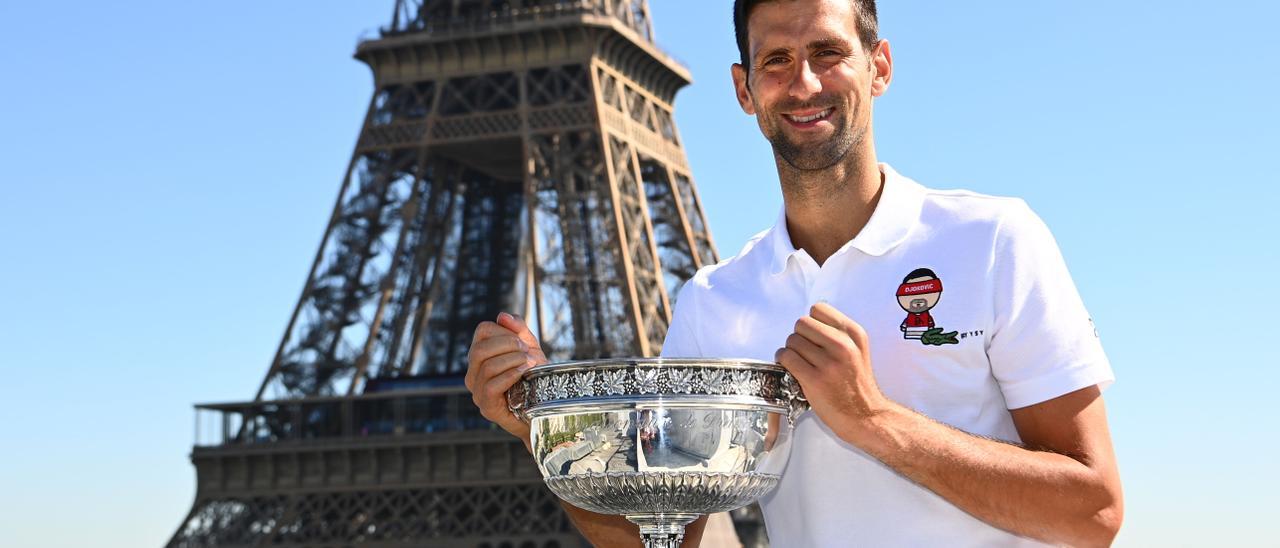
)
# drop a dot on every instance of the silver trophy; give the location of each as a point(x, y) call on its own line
point(659, 441)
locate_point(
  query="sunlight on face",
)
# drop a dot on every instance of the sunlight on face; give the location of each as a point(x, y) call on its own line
point(809, 83)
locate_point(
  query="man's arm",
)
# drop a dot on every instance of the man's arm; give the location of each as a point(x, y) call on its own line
point(500, 353)
point(1062, 487)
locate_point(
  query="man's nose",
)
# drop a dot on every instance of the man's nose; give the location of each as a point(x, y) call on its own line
point(806, 83)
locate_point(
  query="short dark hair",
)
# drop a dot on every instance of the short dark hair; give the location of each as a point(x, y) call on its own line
point(919, 273)
point(868, 25)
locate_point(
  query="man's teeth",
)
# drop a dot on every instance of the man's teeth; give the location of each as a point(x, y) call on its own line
point(816, 116)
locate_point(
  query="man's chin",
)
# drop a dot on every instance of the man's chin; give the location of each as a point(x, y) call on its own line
point(808, 158)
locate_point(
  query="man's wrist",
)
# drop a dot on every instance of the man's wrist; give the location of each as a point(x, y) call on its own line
point(882, 432)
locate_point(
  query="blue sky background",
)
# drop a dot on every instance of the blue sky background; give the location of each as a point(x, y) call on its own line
point(168, 167)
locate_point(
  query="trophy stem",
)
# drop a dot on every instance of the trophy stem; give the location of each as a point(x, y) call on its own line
point(662, 530)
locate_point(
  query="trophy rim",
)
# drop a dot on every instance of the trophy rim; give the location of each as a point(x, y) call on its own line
point(596, 363)
point(604, 404)
point(767, 385)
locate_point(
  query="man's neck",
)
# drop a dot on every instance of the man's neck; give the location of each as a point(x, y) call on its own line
point(827, 208)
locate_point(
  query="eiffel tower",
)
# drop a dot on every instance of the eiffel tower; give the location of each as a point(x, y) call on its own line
point(516, 155)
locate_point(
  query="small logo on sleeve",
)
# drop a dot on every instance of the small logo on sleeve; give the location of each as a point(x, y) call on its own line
point(919, 293)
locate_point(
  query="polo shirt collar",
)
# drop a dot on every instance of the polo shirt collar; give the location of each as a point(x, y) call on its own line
point(896, 214)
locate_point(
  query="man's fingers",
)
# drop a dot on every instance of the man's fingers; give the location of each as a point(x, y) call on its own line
point(495, 397)
point(488, 340)
point(830, 315)
point(794, 364)
point(805, 348)
point(825, 313)
point(517, 325)
point(498, 356)
point(792, 360)
point(498, 365)
point(488, 329)
point(498, 386)
point(858, 334)
point(494, 346)
point(821, 334)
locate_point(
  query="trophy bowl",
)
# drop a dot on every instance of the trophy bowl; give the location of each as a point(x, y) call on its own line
point(659, 440)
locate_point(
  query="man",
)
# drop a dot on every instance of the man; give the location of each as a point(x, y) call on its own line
point(990, 433)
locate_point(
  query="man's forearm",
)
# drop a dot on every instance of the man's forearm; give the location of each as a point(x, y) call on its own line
point(602, 529)
point(1038, 494)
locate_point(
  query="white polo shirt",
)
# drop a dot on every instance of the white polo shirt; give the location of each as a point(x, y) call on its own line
point(1004, 328)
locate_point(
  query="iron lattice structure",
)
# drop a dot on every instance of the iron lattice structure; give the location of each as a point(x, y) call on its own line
point(516, 155)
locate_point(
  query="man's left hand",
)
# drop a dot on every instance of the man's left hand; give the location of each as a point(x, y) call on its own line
point(831, 358)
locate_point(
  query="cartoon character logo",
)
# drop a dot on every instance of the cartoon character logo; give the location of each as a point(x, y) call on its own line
point(918, 294)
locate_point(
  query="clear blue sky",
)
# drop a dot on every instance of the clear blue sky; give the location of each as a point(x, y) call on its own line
point(168, 168)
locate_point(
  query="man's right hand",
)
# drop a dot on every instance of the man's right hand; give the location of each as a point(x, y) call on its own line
point(500, 353)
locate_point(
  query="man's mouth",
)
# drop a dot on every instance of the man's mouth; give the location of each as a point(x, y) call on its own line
point(809, 118)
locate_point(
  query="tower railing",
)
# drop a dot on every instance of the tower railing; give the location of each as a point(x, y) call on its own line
point(412, 16)
point(337, 418)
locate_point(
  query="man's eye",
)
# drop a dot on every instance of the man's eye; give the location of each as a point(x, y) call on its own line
point(828, 53)
point(774, 60)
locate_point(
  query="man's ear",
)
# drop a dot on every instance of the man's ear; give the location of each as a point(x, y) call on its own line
point(741, 89)
point(882, 68)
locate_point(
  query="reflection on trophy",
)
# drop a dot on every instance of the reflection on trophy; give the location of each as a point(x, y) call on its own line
point(659, 441)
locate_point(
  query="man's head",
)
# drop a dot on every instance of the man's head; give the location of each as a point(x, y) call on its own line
point(868, 24)
point(809, 71)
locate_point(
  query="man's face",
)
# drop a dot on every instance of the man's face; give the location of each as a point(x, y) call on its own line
point(916, 304)
point(810, 82)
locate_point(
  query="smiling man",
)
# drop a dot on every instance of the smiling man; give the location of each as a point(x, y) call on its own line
point(977, 421)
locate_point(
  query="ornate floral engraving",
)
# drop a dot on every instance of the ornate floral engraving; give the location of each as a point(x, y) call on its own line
point(543, 391)
point(791, 391)
point(615, 382)
point(683, 380)
point(647, 380)
point(756, 383)
point(586, 383)
point(777, 386)
point(560, 386)
point(714, 381)
point(740, 382)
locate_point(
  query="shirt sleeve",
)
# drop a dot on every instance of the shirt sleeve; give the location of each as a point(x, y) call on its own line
point(1043, 343)
point(682, 341)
